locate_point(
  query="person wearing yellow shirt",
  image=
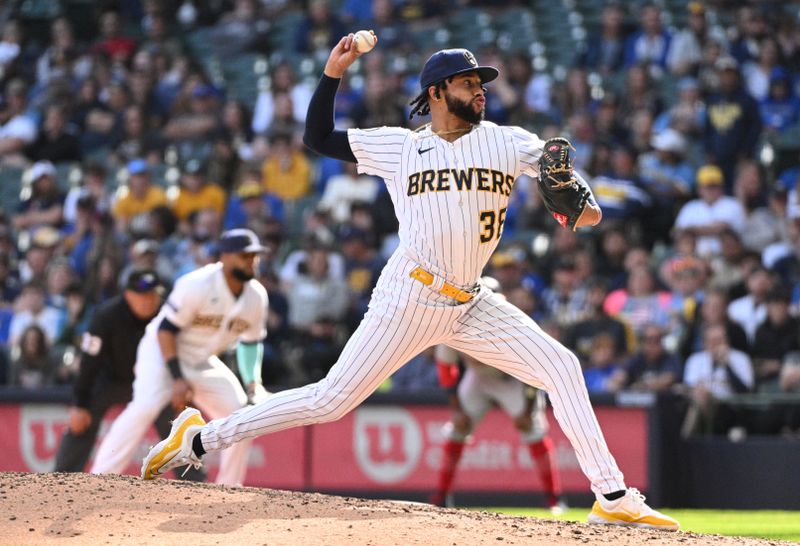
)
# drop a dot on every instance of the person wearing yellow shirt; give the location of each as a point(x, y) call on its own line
point(139, 196)
point(195, 193)
point(286, 172)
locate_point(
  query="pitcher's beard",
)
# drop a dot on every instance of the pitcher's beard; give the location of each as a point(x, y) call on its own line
point(463, 110)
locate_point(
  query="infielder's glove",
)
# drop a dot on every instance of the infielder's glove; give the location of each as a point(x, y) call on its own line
point(563, 195)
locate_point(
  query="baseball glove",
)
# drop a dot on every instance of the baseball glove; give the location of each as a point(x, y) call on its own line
point(563, 195)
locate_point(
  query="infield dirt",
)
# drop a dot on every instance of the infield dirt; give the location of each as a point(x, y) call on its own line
point(86, 509)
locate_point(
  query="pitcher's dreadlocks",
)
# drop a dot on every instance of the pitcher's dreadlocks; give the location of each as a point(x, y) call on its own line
point(420, 104)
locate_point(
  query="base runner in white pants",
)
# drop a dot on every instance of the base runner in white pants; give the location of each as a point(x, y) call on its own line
point(449, 182)
point(207, 311)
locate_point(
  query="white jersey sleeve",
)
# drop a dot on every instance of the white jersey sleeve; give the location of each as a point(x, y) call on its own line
point(529, 148)
point(258, 327)
point(183, 302)
point(379, 150)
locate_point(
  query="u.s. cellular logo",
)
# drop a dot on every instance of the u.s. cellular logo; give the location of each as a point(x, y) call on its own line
point(387, 443)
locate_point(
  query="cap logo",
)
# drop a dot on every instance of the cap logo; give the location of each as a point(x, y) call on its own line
point(470, 58)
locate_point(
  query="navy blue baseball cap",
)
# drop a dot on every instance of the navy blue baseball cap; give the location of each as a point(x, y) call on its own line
point(239, 240)
point(450, 62)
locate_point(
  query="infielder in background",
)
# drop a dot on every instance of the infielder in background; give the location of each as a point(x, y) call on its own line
point(472, 394)
point(105, 378)
point(207, 311)
point(450, 183)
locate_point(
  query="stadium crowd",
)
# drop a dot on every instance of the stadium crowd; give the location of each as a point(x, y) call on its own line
point(133, 132)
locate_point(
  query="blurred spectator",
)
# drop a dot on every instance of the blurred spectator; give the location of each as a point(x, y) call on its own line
point(282, 82)
point(33, 367)
point(238, 30)
point(146, 254)
point(714, 375)
point(417, 375)
point(236, 131)
point(344, 189)
point(614, 246)
point(774, 339)
point(102, 283)
point(711, 214)
point(98, 124)
point(619, 191)
point(639, 97)
point(380, 105)
point(686, 49)
point(603, 372)
point(688, 114)
point(44, 207)
point(10, 45)
point(362, 267)
point(605, 49)
point(780, 108)
point(650, 44)
point(9, 281)
point(286, 173)
point(579, 337)
point(526, 300)
point(713, 312)
point(194, 125)
point(565, 298)
point(251, 203)
point(757, 74)
point(733, 123)
point(196, 193)
point(195, 250)
point(138, 197)
point(137, 140)
point(686, 284)
point(790, 374)
point(76, 315)
point(640, 302)
point(92, 186)
point(17, 128)
point(112, 42)
point(652, 368)
point(317, 304)
point(274, 368)
point(751, 27)
point(319, 30)
point(751, 310)
point(59, 277)
point(57, 141)
point(30, 308)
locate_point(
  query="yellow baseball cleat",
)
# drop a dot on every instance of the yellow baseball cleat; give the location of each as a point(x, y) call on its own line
point(632, 511)
point(176, 449)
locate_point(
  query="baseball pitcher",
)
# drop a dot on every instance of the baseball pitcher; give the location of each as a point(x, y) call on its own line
point(450, 183)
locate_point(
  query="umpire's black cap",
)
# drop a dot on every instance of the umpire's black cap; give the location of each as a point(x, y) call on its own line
point(142, 281)
point(450, 62)
point(239, 240)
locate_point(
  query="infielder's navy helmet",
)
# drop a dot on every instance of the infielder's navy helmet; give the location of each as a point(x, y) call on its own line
point(239, 240)
point(450, 62)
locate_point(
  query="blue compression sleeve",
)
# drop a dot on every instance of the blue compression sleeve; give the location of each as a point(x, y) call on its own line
point(248, 358)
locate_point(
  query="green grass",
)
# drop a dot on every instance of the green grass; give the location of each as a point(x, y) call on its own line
point(774, 524)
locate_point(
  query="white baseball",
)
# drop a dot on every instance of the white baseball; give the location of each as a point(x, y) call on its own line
point(364, 41)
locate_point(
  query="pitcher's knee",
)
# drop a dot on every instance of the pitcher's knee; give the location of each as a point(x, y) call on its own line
point(329, 404)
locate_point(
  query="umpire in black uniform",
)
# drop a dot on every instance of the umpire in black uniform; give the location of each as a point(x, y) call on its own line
point(105, 378)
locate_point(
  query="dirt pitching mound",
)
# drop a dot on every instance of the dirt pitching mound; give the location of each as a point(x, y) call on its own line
point(86, 509)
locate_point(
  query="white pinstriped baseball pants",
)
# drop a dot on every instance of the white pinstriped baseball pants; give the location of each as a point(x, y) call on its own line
point(405, 317)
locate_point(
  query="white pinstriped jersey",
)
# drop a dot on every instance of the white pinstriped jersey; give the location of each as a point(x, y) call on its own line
point(209, 316)
point(450, 197)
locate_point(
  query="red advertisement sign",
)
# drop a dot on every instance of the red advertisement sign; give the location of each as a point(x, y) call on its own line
point(31, 434)
point(401, 448)
point(374, 448)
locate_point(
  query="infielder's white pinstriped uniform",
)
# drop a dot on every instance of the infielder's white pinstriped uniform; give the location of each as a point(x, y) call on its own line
point(210, 319)
point(450, 199)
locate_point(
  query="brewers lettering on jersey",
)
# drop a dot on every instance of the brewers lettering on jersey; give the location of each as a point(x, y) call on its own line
point(450, 183)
